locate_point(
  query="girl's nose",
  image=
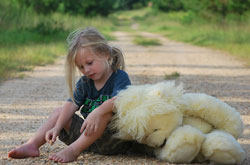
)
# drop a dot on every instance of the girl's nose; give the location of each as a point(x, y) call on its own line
point(86, 70)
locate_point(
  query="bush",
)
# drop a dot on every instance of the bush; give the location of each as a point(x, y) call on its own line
point(86, 7)
point(47, 27)
point(41, 6)
point(220, 7)
point(224, 7)
point(130, 4)
point(194, 5)
point(167, 5)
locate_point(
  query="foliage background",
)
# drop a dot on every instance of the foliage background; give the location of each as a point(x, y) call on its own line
point(33, 32)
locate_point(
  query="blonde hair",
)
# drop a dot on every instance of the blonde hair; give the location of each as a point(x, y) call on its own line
point(90, 38)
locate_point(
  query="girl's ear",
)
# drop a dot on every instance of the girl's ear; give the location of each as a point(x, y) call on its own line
point(110, 61)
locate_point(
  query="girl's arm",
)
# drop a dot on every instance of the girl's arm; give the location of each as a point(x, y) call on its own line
point(66, 114)
point(93, 121)
point(106, 107)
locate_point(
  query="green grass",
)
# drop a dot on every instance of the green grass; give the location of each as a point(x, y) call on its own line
point(172, 76)
point(16, 59)
point(140, 40)
point(28, 39)
point(231, 34)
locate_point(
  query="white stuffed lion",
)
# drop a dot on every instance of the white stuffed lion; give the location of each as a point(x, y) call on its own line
point(189, 126)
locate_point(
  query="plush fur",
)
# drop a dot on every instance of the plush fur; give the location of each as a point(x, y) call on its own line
point(153, 114)
point(198, 123)
point(147, 114)
point(215, 112)
point(182, 146)
point(222, 147)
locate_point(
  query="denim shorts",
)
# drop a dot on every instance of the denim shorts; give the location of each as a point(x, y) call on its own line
point(106, 144)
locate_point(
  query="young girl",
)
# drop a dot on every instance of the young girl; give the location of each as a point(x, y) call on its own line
point(103, 77)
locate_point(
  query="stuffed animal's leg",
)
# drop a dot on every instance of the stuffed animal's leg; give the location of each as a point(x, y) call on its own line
point(182, 145)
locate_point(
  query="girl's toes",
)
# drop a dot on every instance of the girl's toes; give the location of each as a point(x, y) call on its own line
point(61, 160)
point(51, 156)
point(56, 158)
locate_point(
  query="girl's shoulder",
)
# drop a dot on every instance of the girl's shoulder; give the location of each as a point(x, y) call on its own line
point(121, 73)
point(121, 81)
point(121, 76)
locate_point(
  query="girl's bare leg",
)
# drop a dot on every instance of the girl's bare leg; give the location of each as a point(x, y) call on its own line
point(71, 152)
point(31, 147)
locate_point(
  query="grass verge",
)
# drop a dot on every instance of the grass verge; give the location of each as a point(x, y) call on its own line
point(230, 34)
point(143, 41)
point(172, 76)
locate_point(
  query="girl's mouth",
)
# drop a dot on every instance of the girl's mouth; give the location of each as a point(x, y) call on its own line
point(91, 75)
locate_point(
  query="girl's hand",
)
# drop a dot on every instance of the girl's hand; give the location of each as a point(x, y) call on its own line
point(92, 123)
point(51, 135)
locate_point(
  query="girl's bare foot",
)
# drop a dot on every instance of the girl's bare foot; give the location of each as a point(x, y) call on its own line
point(64, 156)
point(24, 151)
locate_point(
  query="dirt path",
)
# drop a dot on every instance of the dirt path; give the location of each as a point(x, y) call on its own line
point(26, 103)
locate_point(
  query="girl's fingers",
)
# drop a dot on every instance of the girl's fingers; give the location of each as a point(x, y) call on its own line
point(113, 98)
point(47, 137)
point(86, 131)
point(53, 139)
point(83, 127)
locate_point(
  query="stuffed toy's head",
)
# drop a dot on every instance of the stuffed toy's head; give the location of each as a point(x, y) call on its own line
point(147, 113)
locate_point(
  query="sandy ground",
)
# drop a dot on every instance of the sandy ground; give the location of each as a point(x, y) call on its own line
point(26, 103)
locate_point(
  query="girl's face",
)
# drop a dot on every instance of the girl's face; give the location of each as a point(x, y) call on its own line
point(91, 65)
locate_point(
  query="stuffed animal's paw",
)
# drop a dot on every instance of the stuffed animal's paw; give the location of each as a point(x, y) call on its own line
point(222, 147)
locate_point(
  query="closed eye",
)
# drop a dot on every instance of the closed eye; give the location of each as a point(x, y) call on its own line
point(90, 63)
